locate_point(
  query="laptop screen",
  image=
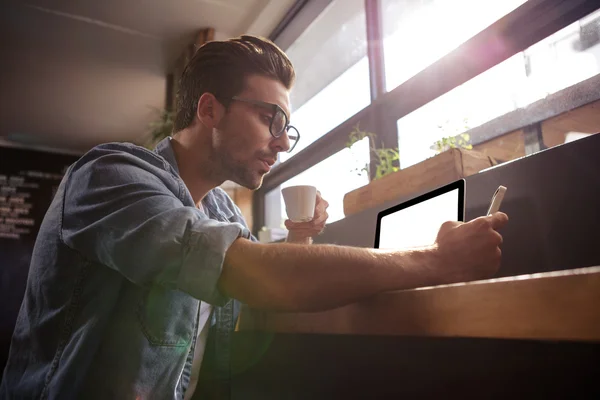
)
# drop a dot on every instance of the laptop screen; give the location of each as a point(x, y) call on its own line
point(416, 222)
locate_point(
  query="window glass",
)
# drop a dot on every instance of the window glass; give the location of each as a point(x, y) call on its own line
point(332, 71)
point(341, 99)
point(332, 84)
point(565, 58)
point(419, 32)
point(333, 177)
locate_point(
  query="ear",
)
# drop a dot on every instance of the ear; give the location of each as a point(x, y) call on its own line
point(209, 110)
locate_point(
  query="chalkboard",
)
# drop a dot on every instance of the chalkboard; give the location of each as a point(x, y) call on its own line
point(28, 181)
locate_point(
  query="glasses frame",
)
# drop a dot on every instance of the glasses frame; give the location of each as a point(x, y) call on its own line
point(274, 108)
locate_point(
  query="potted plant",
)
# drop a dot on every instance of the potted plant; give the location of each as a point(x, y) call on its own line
point(160, 127)
point(455, 160)
point(386, 157)
point(462, 141)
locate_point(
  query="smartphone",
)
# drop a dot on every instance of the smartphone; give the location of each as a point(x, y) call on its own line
point(496, 200)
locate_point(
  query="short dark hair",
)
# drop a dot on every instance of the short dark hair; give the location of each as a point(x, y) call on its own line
point(221, 68)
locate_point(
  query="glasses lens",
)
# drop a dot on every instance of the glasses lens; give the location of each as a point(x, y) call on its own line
point(279, 123)
point(293, 137)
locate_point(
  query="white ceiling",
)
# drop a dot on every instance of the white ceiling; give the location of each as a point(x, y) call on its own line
point(77, 73)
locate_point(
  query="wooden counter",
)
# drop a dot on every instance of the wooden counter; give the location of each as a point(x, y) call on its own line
point(562, 305)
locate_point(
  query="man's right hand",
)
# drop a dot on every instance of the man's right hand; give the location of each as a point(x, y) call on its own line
point(469, 251)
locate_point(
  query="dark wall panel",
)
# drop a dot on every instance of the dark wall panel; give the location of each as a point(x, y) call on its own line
point(28, 180)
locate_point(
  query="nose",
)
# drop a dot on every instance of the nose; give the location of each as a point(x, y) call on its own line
point(281, 143)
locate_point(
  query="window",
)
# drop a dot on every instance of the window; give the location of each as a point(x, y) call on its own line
point(479, 100)
point(332, 71)
point(333, 177)
point(419, 32)
point(341, 99)
point(565, 58)
point(332, 84)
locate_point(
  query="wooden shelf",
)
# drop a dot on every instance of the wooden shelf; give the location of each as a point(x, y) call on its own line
point(560, 305)
point(429, 174)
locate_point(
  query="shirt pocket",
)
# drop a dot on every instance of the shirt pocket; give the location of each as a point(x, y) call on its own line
point(167, 317)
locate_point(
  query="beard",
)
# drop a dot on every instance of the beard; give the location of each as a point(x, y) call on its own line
point(241, 173)
point(241, 169)
point(247, 178)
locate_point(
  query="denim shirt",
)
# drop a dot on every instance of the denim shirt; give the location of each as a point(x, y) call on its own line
point(122, 258)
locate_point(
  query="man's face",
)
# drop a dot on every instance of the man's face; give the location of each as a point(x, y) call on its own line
point(244, 147)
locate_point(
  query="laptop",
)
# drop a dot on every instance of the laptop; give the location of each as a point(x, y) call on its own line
point(416, 222)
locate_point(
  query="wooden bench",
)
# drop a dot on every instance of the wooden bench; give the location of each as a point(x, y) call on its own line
point(531, 336)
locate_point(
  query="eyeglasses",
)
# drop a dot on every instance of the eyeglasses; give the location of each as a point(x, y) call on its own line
point(279, 121)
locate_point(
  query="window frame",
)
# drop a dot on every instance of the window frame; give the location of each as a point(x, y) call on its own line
point(523, 27)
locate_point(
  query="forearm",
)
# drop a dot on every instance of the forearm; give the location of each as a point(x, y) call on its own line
point(293, 277)
point(293, 238)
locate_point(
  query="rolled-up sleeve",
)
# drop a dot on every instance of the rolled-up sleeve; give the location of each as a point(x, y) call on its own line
point(204, 255)
point(127, 213)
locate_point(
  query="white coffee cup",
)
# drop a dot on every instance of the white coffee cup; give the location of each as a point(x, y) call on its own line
point(300, 202)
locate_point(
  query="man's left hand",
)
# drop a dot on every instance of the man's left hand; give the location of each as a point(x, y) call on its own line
point(303, 232)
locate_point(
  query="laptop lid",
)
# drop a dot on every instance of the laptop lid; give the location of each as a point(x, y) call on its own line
point(416, 222)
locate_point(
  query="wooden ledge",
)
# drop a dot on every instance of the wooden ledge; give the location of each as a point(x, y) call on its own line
point(562, 305)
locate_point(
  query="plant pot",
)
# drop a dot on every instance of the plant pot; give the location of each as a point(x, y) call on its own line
point(434, 172)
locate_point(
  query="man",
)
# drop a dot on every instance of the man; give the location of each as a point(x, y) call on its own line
point(138, 246)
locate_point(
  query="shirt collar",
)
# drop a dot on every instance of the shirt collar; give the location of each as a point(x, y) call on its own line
point(215, 202)
point(165, 150)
